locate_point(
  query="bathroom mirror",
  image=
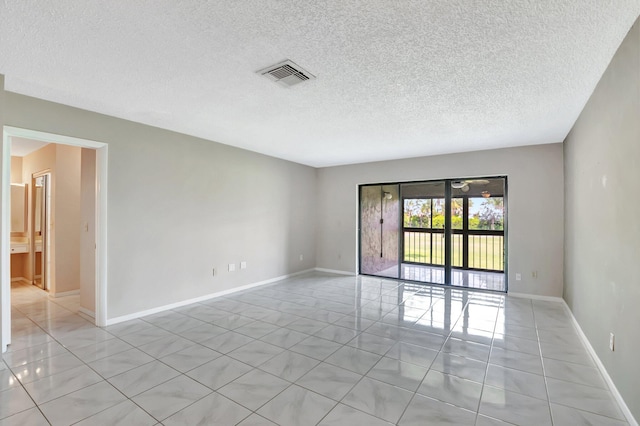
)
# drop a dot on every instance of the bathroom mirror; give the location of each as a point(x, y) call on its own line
point(18, 202)
point(41, 225)
point(37, 208)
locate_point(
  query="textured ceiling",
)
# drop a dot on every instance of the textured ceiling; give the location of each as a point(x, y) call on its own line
point(395, 78)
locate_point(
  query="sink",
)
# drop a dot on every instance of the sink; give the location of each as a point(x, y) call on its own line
point(19, 245)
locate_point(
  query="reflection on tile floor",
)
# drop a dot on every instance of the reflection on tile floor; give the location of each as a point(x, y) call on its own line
point(314, 349)
point(484, 280)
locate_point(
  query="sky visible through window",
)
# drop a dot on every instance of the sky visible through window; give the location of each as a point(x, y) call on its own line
point(484, 213)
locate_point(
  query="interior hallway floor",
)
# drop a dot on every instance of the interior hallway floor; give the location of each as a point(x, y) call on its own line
point(313, 349)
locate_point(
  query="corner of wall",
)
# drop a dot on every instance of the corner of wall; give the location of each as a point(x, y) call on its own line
point(601, 236)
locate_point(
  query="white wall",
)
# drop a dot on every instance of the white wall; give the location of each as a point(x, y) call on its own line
point(38, 161)
point(602, 230)
point(535, 207)
point(179, 206)
point(16, 170)
point(66, 219)
point(63, 161)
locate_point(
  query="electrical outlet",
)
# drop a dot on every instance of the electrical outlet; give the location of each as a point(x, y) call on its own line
point(232, 267)
point(243, 265)
point(301, 258)
point(518, 277)
point(612, 341)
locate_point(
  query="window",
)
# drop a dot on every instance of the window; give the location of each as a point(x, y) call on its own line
point(417, 213)
point(486, 213)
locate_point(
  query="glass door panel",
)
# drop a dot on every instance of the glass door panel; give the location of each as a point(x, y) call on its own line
point(444, 232)
point(423, 223)
point(379, 230)
point(477, 249)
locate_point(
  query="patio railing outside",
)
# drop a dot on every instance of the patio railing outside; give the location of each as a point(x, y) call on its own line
point(485, 248)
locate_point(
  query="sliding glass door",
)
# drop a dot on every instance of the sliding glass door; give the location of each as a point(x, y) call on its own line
point(444, 232)
point(423, 231)
point(379, 230)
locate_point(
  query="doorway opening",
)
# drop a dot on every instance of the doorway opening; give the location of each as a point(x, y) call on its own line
point(36, 240)
point(450, 232)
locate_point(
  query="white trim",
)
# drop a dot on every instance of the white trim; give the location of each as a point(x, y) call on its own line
point(14, 279)
point(101, 221)
point(5, 243)
point(87, 312)
point(612, 387)
point(335, 271)
point(101, 278)
point(357, 226)
point(151, 311)
point(536, 297)
point(46, 260)
point(64, 294)
point(51, 137)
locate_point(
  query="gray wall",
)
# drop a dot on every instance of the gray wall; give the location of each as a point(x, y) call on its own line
point(602, 230)
point(535, 207)
point(179, 206)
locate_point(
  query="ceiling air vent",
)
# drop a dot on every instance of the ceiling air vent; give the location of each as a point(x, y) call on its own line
point(287, 74)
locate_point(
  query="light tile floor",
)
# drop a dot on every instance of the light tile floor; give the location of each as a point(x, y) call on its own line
point(483, 280)
point(315, 349)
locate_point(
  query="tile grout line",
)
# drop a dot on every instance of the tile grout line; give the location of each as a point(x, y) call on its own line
point(104, 379)
point(431, 365)
point(314, 311)
point(35, 405)
point(544, 375)
point(20, 381)
point(486, 371)
point(365, 375)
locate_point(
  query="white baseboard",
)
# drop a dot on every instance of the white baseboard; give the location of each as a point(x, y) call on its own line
point(335, 271)
point(612, 387)
point(536, 297)
point(64, 293)
point(123, 318)
point(614, 391)
point(87, 312)
point(14, 279)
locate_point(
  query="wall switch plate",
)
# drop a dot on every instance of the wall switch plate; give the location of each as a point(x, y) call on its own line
point(213, 273)
point(243, 265)
point(534, 274)
point(518, 277)
point(301, 258)
point(612, 341)
point(232, 267)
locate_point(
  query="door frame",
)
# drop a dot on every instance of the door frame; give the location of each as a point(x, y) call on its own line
point(46, 241)
point(101, 149)
point(447, 231)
